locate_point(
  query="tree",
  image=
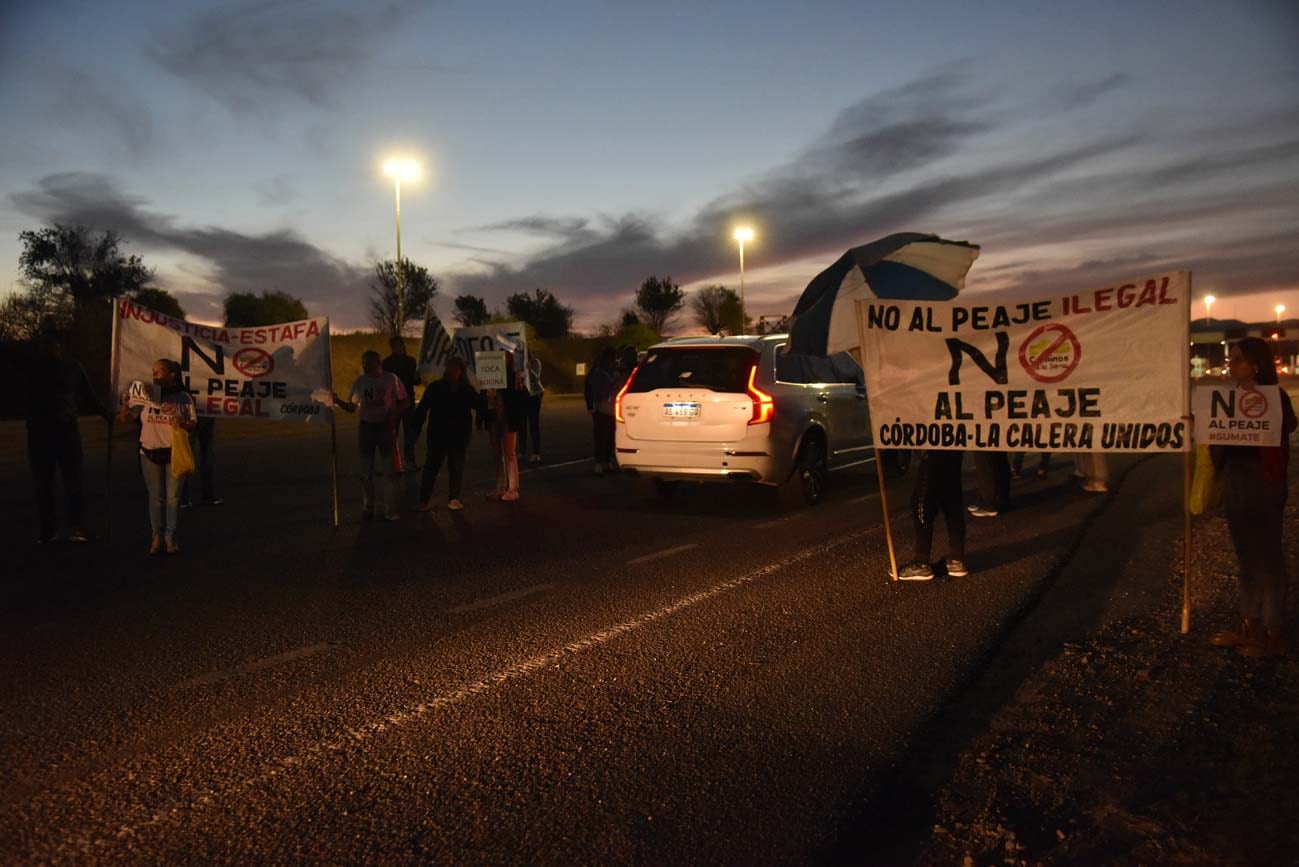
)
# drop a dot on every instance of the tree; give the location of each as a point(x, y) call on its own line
point(717, 308)
point(80, 264)
point(25, 314)
point(419, 288)
point(629, 318)
point(659, 301)
point(543, 312)
point(160, 300)
point(470, 310)
point(75, 271)
point(248, 310)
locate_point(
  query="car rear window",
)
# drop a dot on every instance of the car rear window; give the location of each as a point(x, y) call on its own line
point(721, 368)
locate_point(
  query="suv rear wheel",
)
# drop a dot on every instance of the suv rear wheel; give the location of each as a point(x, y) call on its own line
point(807, 483)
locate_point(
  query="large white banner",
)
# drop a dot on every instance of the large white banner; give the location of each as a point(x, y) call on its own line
point(438, 344)
point(276, 372)
point(1103, 370)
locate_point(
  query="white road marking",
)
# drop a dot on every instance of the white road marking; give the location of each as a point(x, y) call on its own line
point(85, 843)
point(256, 665)
point(500, 598)
point(863, 498)
point(557, 466)
point(659, 555)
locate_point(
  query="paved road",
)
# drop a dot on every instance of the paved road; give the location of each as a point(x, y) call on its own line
point(589, 675)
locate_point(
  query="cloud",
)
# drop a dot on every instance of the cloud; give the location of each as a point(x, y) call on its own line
point(251, 56)
point(941, 154)
point(1072, 95)
point(98, 105)
point(279, 190)
point(279, 260)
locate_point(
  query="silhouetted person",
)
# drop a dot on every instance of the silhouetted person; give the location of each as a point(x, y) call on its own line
point(406, 369)
point(55, 390)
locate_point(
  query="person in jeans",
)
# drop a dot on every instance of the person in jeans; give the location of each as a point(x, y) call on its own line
point(56, 389)
point(406, 369)
point(447, 405)
point(530, 434)
point(381, 399)
point(174, 409)
point(601, 392)
point(938, 491)
point(204, 454)
point(1017, 465)
point(1255, 488)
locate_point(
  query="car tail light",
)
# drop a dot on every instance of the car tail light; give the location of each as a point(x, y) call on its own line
point(617, 403)
point(764, 407)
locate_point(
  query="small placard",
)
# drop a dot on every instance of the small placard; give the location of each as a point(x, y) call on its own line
point(491, 368)
point(581, 369)
point(1226, 416)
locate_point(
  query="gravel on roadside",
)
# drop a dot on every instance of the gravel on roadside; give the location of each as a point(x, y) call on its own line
point(1135, 744)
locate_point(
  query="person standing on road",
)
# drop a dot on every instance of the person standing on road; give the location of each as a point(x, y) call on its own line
point(406, 369)
point(993, 472)
point(1094, 471)
point(938, 491)
point(56, 389)
point(448, 406)
point(1255, 486)
point(174, 409)
point(509, 415)
point(381, 399)
point(203, 455)
point(601, 392)
point(1017, 465)
point(530, 435)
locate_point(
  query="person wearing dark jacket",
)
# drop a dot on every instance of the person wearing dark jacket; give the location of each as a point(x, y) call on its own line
point(406, 369)
point(57, 388)
point(447, 406)
point(1254, 499)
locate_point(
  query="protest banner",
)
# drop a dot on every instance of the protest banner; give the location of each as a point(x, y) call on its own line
point(273, 372)
point(1104, 370)
point(438, 344)
point(1227, 416)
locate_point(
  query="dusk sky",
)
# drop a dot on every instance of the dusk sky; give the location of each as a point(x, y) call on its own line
point(580, 147)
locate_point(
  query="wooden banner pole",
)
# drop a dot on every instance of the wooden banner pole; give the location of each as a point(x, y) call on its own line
point(884, 505)
point(333, 451)
point(111, 406)
point(1188, 466)
point(333, 415)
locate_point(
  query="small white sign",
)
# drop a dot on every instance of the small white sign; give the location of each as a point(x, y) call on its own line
point(581, 369)
point(141, 394)
point(491, 368)
point(1227, 416)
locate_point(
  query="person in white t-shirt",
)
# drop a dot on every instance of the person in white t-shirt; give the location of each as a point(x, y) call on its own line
point(175, 408)
point(381, 399)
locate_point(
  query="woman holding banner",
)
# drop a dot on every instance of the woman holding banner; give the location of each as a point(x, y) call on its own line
point(381, 399)
point(1255, 494)
point(174, 409)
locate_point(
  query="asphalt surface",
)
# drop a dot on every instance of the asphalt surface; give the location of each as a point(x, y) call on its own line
point(589, 675)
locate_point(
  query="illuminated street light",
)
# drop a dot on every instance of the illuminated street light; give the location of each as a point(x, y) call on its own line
point(400, 169)
point(1280, 308)
point(1208, 308)
point(742, 234)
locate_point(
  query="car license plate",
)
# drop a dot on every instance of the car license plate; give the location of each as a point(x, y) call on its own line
point(681, 410)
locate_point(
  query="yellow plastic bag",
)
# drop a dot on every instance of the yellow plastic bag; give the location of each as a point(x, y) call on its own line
point(182, 456)
point(1206, 487)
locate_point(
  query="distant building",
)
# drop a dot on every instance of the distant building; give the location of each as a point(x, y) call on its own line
point(1211, 337)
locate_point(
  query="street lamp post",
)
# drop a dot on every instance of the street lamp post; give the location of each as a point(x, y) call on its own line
point(1280, 308)
point(400, 169)
point(742, 234)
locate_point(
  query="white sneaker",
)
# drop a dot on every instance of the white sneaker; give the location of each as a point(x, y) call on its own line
point(1096, 488)
point(456, 506)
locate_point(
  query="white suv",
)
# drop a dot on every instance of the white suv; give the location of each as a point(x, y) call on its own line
point(741, 408)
